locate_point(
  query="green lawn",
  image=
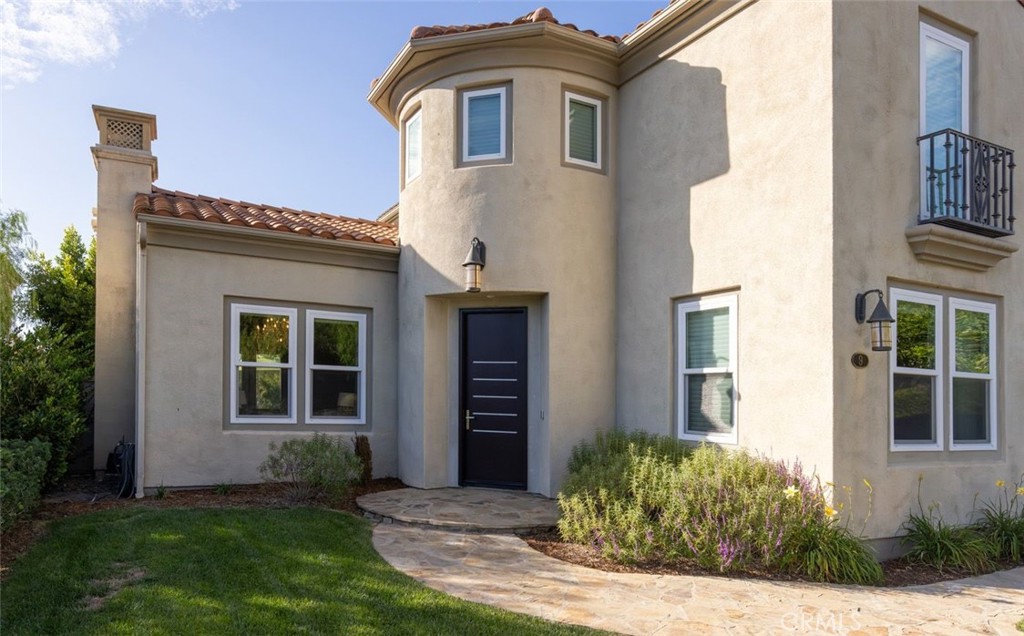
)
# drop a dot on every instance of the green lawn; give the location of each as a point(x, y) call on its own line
point(229, 571)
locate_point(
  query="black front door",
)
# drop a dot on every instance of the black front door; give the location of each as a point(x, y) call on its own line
point(492, 403)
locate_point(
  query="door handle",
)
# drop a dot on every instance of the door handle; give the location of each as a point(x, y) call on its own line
point(468, 418)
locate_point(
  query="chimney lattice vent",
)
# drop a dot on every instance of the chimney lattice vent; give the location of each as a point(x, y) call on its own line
point(124, 134)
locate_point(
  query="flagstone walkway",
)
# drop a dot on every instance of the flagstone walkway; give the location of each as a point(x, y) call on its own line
point(494, 567)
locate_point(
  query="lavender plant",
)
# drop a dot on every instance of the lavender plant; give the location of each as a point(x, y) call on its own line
point(723, 511)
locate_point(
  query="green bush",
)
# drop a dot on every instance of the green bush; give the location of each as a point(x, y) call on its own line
point(1002, 521)
point(941, 545)
point(312, 468)
point(643, 497)
point(605, 462)
point(22, 468)
point(41, 394)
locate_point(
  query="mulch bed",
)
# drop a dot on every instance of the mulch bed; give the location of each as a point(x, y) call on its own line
point(80, 495)
point(898, 572)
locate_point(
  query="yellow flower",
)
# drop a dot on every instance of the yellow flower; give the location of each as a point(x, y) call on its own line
point(830, 512)
point(1020, 490)
point(868, 485)
point(1000, 483)
point(791, 492)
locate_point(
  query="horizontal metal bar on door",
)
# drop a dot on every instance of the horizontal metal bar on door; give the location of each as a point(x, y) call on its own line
point(495, 380)
point(495, 362)
point(497, 397)
point(484, 430)
point(496, 414)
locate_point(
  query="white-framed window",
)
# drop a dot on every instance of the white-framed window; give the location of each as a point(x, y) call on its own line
point(945, 81)
point(484, 134)
point(916, 371)
point(413, 146)
point(582, 127)
point(972, 377)
point(945, 103)
point(335, 367)
point(942, 373)
point(263, 350)
point(707, 380)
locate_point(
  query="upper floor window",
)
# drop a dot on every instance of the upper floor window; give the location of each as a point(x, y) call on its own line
point(484, 125)
point(945, 81)
point(938, 379)
point(706, 376)
point(582, 130)
point(413, 146)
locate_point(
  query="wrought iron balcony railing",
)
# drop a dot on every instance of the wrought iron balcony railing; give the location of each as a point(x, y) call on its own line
point(967, 183)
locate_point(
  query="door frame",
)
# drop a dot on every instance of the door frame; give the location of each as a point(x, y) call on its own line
point(462, 313)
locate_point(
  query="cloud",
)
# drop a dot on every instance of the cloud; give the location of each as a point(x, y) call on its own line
point(34, 33)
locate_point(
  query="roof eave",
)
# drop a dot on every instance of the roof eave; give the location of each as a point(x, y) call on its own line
point(380, 92)
point(267, 235)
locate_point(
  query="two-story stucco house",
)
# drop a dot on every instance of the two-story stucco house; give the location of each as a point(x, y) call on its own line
point(672, 231)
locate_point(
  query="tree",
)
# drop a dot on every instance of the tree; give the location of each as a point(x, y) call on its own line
point(13, 248)
point(47, 360)
point(41, 393)
point(62, 292)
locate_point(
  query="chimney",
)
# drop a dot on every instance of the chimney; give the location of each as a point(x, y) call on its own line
point(125, 167)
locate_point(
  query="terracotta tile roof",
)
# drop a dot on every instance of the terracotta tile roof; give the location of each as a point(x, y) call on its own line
point(181, 205)
point(542, 14)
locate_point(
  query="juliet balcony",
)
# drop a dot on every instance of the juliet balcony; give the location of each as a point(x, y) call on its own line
point(967, 183)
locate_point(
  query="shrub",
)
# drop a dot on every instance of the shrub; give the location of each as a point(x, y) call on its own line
point(828, 552)
point(941, 545)
point(312, 468)
point(605, 462)
point(22, 468)
point(641, 497)
point(41, 394)
point(1002, 521)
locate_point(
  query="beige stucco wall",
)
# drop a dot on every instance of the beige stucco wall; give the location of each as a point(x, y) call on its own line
point(550, 236)
point(876, 98)
point(725, 183)
point(185, 440)
point(121, 173)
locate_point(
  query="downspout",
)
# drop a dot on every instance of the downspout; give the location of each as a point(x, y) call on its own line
point(140, 360)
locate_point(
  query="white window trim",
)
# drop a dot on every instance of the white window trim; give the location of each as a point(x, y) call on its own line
point(502, 136)
point(682, 310)
point(599, 124)
point(938, 402)
point(237, 310)
point(928, 31)
point(311, 315)
point(410, 176)
point(991, 376)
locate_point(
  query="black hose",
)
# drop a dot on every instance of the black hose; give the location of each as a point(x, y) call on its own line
point(125, 453)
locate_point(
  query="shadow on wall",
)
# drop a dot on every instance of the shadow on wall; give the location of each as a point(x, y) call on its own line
point(673, 135)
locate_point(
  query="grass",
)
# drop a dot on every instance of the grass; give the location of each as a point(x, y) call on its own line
point(230, 571)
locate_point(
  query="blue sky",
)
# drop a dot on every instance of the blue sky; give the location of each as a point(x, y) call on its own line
point(261, 101)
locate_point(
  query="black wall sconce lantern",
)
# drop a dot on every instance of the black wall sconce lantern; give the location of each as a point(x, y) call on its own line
point(880, 320)
point(474, 264)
